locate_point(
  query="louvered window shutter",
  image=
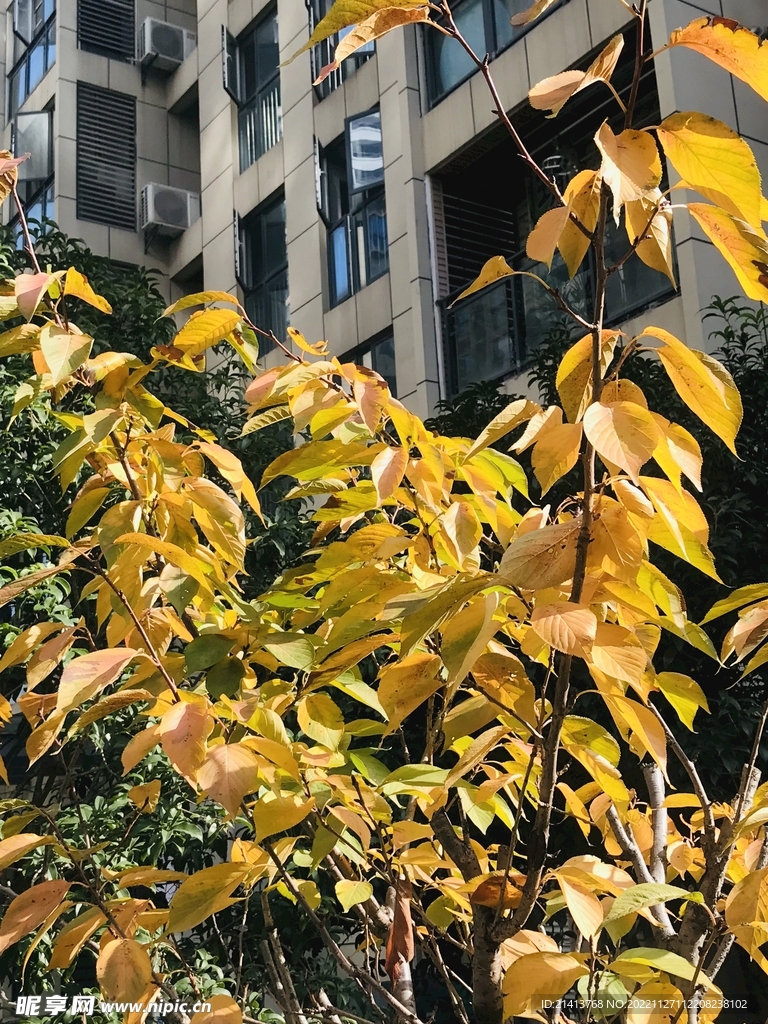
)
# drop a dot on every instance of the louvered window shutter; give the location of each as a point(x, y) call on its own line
point(107, 27)
point(106, 156)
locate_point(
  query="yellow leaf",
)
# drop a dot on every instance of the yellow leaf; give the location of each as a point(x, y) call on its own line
point(624, 433)
point(123, 970)
point(544, 238)
point(476, 752)
point(83, 509)
point(387, 471)
point(466, 635)
point(655, 247)
point(87, 675)
point(344, 13)
point(553, 93)
point(229, 773)
point(183, 731)
point(30, 909)
point(574, 375)
point(350, 892)
point(231, 468)
point(617, 652)
point(138, 746)
point(583, 197)
point(76, 284)
point(149, 876)
point(19, 340)
point(583, 906)
point(630, 166)
point(203, 894)
point(375, 26)
point(566, 626)
point(200, 299)
point(194, 567)
point(703, 383)
point(220, 519)
point(738, 599)
point(541, 558)
point(713, 159)
point(655, 1002)
point(26, 642)
point(538, 979)
point(461, 530)
point(493, 270)
point(320, 718)
point(678, 451)
point(734, 48)
point(15, 847)
point(684, 694)
point(145, 797)
point(205, 329)
point(274, 814)
point(405, 685)
point(556, 453)
point(744, 248)
point(223, 1010)
point(509, 417)
point(531, 13)
point(64, 351)
point(73, 937)
point(108, 706)
point(320, 348)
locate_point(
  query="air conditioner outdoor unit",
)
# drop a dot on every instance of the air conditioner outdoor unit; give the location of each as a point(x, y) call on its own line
point(168, 211)
point(164, 46)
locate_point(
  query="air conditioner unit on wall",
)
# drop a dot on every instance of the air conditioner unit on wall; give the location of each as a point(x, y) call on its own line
point(168, 211)
point(164, 46)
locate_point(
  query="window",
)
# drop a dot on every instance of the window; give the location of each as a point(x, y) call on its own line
point(106, 156)
point(252, 79)
point(34, 48)
point(264, 270)
point(37, 209)
point(377, 354)
point(486, 26)
point(351, 197)
point(489, 206)
point(107, 27)
point(322, 54)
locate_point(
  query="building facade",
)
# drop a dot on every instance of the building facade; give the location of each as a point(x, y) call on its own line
point(358, 209)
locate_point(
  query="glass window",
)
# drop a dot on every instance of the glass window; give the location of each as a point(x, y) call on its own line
point(365, 157)
point(486, 26)
point(322, 54)
point(377, 354)
point(252, 78)
point(34, 27)
point(356, 217)
point(32, 134)
point(38, 208)
point(265, 270)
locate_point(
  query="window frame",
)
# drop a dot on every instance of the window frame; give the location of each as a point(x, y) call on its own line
point(244, 259)
point(359, 352)
point(490, 36)
point(233, 78)
point(46, 29)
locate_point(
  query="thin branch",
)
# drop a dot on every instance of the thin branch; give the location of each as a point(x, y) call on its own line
point(639, 11)
point(630, 848)
point(654, 781)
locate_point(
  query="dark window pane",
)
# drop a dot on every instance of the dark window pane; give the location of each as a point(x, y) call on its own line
point(482, 334)
point(267, 50)
point(274, 237)
point(366, 159)
point(503, 11)
point(449, 61)
point(634, 284)
point(383, 362)
point(50, 57)
point(376, 231)
point(249, 69)
point(265, 270)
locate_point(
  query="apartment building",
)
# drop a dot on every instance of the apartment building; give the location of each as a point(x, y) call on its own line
point(358, 209)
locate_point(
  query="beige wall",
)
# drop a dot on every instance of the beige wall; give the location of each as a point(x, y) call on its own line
point(187, 137)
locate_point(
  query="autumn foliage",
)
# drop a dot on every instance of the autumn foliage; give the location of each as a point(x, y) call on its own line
point(423, 677)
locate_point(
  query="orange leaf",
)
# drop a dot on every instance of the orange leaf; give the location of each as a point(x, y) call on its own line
point(400, 941)
point(183, 732)
point(29, 910)
point(229, 773)
point(739, 51)
point(387, 471)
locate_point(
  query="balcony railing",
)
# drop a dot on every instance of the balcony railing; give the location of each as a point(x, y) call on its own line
point(261, 123)
point(494, 333)
point(357, 250)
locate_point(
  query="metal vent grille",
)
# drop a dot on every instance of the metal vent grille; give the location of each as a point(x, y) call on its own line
point(106, 156)
point(474, 233)
point(107, 27)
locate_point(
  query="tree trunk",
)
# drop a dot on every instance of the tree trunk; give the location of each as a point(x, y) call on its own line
point(486, 970)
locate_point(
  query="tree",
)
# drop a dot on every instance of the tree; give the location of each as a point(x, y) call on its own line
point(413, 721)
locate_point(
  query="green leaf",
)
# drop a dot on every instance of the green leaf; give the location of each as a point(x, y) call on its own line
point(648, 894)
point(350, 893)
point(296, 650)
point(204, 651)
point(684, 694)
point(663, 960)
point(266, 419)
